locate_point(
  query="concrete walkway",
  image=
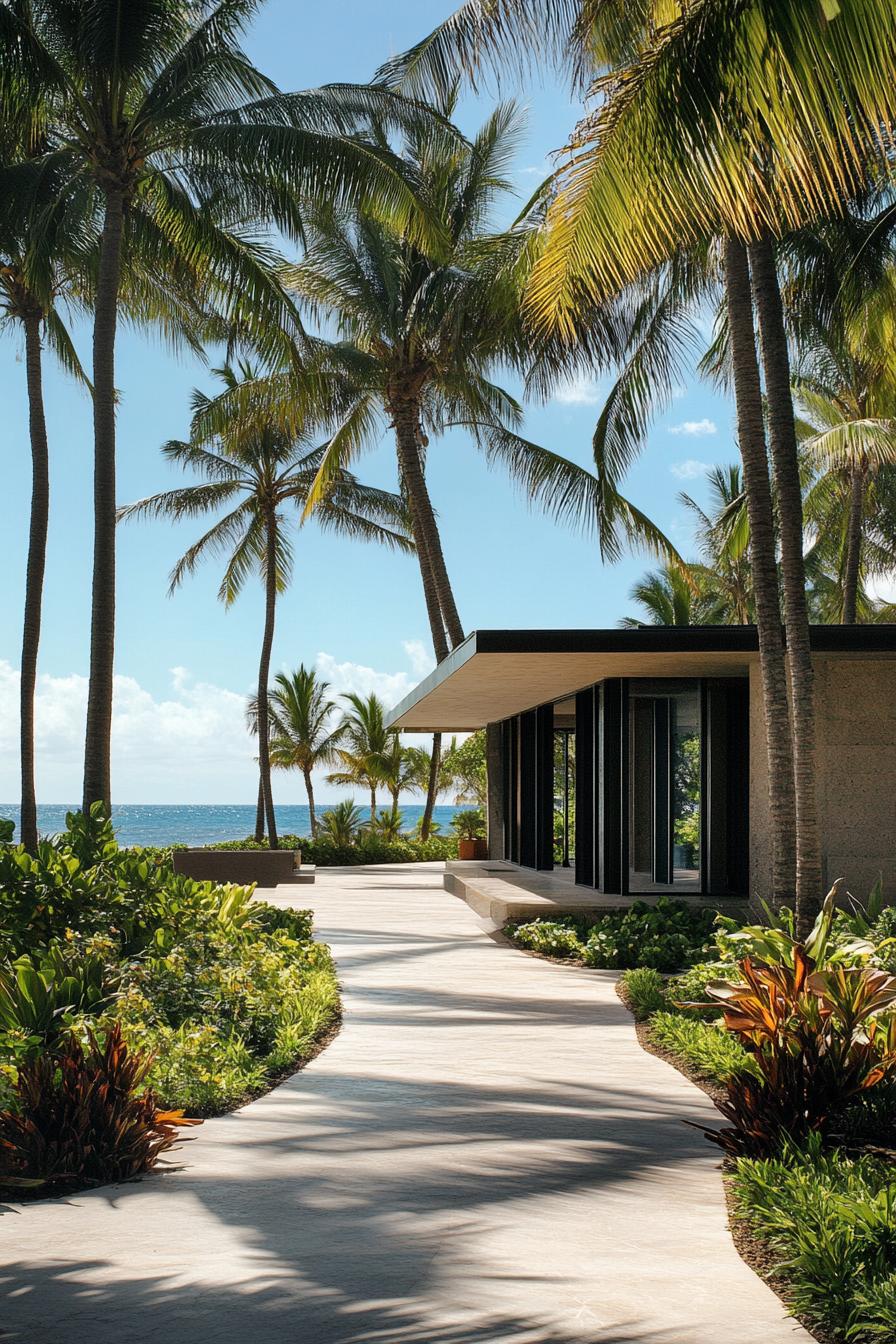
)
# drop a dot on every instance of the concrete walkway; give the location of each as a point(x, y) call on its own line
point(484, 1154)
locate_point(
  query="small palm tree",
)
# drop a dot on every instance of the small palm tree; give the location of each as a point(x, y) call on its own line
point(670, 597)
point(266, 473)
point(303, 735)
point(365, 746)
point(341, 823)
point(387, 826)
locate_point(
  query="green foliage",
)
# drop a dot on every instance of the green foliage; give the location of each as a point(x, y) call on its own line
point(469, 824)
point(365, 848)
point(830, 1221)
point(664, 936)
point(80, 1116)
point(710, 1051)
point(464, 766)
point(645, 991)
point(339, 826)
point(7, 831)
point(818, 1038)
point(221, 992)
point(552, 938)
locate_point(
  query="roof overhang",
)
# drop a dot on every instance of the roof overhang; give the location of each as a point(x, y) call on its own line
point(497, 673)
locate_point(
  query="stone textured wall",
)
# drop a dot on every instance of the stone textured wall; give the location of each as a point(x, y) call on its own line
point(856, 703)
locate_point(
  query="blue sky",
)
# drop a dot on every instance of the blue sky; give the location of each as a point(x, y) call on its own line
point(184, 663)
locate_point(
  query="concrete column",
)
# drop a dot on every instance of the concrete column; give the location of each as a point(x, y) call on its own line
point(495, 772)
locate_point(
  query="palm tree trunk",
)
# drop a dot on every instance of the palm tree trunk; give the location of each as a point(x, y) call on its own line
point(259, 812)
point(853, 544)
point(34, 574)
point(751, 437)
point(372, 804)
point(309, 789)
point(98, 738)
point(406, 421)
point(788, 489)
point(264, 669)
point(432, 787)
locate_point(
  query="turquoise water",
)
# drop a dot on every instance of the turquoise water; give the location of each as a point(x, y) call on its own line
point(200, 823)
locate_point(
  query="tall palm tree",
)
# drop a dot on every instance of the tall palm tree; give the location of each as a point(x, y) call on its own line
point(365, 747)
point(723, 540)
point(36, 277)
point(268, 474)
point(424, 330)
point(741, 120)
point(303, 734)
point(183, 142)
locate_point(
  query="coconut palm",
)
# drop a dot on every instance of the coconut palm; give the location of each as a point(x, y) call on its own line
point(700, 132)
point(723, 540)
point(303, 734)
point(37, 274)
point(669, 596)
point(399, 771)
point(424, 331)
point(264, 474)
point(156, 110)
point(365, 746)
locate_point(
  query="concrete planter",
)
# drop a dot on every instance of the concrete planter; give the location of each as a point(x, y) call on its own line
point(266, 867)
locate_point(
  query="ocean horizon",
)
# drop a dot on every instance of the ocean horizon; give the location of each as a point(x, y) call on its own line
point(204, 823)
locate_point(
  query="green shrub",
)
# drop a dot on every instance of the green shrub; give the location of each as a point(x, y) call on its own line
point(664, 936)
point(830, 1221)
point(710, 1051)
point(689, 986)
point(368, 848)
point(549, 937)
point(222, 991)
point(645, 991)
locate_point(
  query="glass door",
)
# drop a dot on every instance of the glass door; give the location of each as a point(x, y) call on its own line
point(665, 792)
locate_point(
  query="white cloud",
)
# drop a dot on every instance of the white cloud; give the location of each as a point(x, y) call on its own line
point(579, 391)
point(695, 428)
point(689, 470)
point(421, 658)
point(188, 745)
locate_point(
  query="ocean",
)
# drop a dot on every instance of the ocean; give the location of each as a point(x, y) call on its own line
point(202, 823)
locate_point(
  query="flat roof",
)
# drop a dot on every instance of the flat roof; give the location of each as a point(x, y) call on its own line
point(497, 673)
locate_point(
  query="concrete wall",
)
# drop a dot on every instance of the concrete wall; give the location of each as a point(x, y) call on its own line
point(856, 704)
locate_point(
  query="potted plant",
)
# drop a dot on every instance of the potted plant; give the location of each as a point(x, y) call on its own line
point(469, 827)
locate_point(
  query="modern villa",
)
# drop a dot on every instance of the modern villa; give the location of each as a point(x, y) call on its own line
point(638, 756)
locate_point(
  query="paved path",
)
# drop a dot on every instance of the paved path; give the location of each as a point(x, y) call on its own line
point(484, 1154)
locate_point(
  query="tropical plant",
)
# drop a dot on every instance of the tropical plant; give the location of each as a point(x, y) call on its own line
point(817, 1038)
point(398, 771)
point(79, 1116)
point(7, 830)
point(469, 824)
point(303, 735)
point(465, 768)
point(424, 331)
point(268, 472)
point(365, 743)
point(341, 823)
point(387, 826)
point(154, 110)
point(674, 596)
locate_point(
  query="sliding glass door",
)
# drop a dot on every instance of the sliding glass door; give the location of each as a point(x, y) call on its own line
point(665, 794)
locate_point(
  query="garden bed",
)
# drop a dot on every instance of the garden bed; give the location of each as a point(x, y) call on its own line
point(214, 997)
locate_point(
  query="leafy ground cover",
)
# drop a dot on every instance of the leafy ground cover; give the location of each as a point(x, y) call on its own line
point(366, 849)
point(797, 1043)
point(207, 996)
point(665, 936)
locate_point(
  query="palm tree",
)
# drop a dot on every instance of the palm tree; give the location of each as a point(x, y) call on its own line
point(156, 110)
point(303, 735)
point(723, 539)
point(36, 277)
point(365, 746)
point(777, 118)
point(423, 332)
point(670, 596)
point(341, 823)
point(268, 473)
point(399, 770)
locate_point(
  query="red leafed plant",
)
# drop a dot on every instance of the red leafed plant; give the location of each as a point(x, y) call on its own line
point(80, 1119)
point(817, 1039)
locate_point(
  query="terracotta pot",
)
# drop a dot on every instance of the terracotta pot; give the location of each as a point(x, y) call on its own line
point(472, 849)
